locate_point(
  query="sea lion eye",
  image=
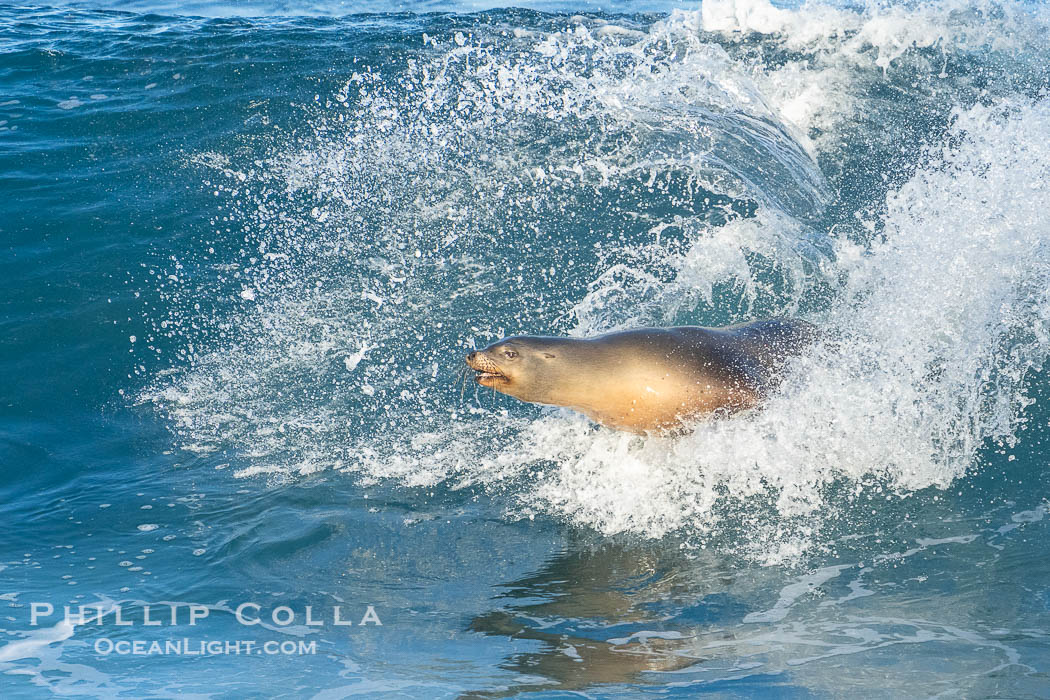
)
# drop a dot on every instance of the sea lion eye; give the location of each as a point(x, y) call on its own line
point(510, 354)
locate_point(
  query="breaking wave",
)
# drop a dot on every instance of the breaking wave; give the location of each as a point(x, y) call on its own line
point(882, 173)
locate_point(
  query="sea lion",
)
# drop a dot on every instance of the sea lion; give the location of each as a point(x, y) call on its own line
point(647, 380)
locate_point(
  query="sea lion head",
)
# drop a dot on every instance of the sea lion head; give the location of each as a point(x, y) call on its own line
point(529, 368)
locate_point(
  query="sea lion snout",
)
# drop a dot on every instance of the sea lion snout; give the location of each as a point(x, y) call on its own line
point(479, 362)
point(489, 373)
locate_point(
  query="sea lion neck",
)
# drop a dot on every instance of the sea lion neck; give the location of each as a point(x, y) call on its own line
point(589, 370)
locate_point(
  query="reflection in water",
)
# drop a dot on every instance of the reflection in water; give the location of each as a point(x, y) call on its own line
point(628, 614)
point(605, 613)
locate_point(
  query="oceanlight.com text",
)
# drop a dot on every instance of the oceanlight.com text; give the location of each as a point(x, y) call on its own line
point(203, 647)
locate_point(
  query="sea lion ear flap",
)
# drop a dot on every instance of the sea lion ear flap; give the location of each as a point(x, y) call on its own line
point(549, 355)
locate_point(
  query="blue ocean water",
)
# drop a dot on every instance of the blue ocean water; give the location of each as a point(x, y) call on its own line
point(245, 248)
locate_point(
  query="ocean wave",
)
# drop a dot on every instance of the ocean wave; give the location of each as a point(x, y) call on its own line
point(868, 170)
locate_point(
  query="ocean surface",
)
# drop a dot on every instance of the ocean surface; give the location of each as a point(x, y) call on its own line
point(244, 248)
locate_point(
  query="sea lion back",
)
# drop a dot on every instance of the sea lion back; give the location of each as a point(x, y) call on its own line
point(776, 340)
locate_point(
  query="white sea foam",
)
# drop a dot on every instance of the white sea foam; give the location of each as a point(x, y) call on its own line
point(937, 324)
point(32, 643)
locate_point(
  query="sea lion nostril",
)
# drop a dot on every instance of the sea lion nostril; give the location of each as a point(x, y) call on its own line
point(471, 356)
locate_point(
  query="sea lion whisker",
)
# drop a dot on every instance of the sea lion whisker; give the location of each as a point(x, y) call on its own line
point(463, 382)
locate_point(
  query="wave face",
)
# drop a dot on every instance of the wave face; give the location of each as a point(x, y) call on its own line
point(247, 248)
point(882, 173)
